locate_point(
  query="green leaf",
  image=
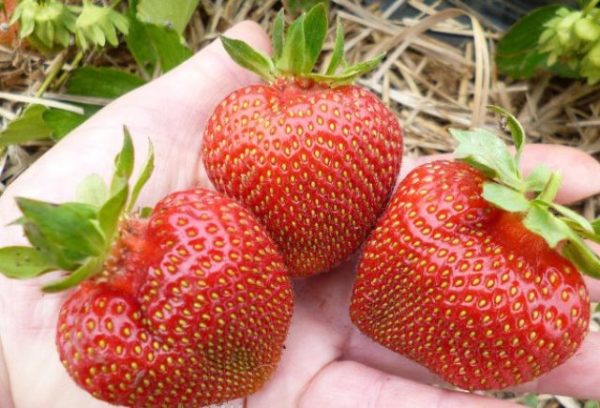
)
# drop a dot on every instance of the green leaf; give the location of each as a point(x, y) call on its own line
point(315, 30)
point(518, 53)
point(139, 44)
point(550, 190)
point(145, 212)
point(171, 52)
point(110, 213)
point(63, 122)
point(486, 151)
point(349, 74)
point(596, 225)
point(144, 177)
point(582, 256)
point(66, 233)
point(90, 267)
point(175, 14)
point(514, 126)
point(338, 49)
point(97, 25)
point(278, 35)
point(538, 178)
point(541, 221)
point(505, 197)
point(92, 190)
point(573, 218)
point(124, 163)
point(249, 58)
point(296, 6)
point(102, 82)
point(23, 262)
point(30, 126)
point(294, 49)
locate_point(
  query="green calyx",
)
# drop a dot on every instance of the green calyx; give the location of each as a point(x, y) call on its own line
point(76, 237)
point(532, 196)
point(296, 52)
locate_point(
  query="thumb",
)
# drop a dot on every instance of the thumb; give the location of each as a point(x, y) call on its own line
point(170, 111)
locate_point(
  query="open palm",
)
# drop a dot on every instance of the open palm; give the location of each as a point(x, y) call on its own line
point(327, 362)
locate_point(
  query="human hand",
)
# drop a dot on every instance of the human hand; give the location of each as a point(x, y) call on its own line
point(327, 362)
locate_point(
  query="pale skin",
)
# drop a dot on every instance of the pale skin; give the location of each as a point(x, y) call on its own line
point(327, 362)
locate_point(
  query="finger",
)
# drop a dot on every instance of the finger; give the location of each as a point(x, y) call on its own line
point(170, 111)
point(577, 377)
point(577, 168)
point(350, 384)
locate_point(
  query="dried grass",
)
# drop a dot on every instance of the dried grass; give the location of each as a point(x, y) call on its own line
point(430, 84)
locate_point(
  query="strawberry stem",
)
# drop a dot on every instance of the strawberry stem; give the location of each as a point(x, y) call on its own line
point(507, 190)
point(296, 52)
point(76, 237)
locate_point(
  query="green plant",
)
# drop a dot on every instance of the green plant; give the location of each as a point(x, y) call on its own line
point(561, 39)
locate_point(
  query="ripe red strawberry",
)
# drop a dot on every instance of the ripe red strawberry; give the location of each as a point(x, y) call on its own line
point(314, 158)
point(464, 276)
point(191, 307)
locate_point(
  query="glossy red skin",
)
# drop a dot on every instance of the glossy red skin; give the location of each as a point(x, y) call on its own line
point(316, 165)
point(7, 38)
point(193, 309)
point(463, 288)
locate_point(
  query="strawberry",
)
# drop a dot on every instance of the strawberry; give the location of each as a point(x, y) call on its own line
point(312, 156)
point(190, 307)
point(8, 33)
point(472, 270)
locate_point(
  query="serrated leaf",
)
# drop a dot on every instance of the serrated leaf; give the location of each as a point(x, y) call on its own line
point(315, 30)
point(514, 126)
point(175, 14)
point(90, 267)
point(541, 221)
point(518, 53)
point(102, 82)
point(92, 190)
point(67, 231)
point(96, 25)
point(338, 49)
point(30, 126)
point(278, 35)
point(487, 152)
point(147, 170)
point(23, 262)
point(249, 58)
point(538, 178)
point(505, 197)
point(294, 49)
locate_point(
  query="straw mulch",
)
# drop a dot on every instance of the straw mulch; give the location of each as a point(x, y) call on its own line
point(431, 84)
